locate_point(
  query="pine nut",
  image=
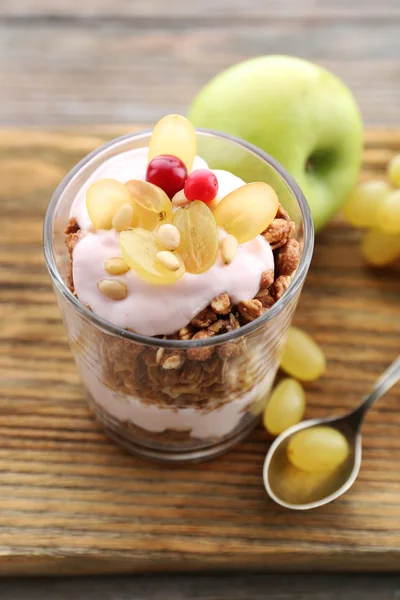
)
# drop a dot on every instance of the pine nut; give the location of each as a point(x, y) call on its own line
point(159, 355)
point(116, 266)
point(168, 260)
point(229, 248)
point(123, 217)
point(169, 236)
point(180, 199)
point(115, 290)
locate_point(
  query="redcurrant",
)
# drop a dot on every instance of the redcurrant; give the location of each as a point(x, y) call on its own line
point(202, 185)
point(168, 173)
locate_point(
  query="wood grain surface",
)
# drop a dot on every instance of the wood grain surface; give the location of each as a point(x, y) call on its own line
point(207, 587)
point(70, 62)
point(73, 502)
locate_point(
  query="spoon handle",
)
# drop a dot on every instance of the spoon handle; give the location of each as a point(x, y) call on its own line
point(382, 385)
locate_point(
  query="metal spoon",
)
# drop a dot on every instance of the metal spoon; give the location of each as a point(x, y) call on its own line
point(301, 490)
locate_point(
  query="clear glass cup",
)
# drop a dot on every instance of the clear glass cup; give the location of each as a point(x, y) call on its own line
point(200, 408)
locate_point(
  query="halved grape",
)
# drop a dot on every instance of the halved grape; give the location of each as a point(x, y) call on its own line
point(199, 236)
point(302, 357)
point(361, 207)
point(174, 135)
point(103, 199)
point(285, 407)
point(388, 216)
point(247, 211)
point(319, 448)
point(152, 205)
point(139, 248)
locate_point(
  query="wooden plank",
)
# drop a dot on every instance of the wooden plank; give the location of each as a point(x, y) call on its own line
point(228, 9)
point(73, 502)
point(209, 587)
point(89, 65)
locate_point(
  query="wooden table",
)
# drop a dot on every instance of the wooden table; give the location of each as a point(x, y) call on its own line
point(102, 61)
point(251, 586)
point(73, 503)
point(75, 63)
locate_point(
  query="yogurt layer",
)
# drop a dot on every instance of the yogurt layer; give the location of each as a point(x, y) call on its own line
point(125, 166)
point(150, 417)
point(151, 309)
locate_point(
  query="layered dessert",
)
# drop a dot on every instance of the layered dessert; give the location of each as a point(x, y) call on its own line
point(164, 246)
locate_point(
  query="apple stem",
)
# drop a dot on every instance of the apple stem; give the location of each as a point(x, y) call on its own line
point(309, 165)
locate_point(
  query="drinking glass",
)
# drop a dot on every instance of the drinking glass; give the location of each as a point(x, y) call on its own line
point(197, 409)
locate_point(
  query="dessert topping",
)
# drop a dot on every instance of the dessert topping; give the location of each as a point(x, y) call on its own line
point(266, 298)
point(282, 213)
point(281, 284)
point(116, 266)
point(202, 185)
point(152, 205)
point(113, 289)
point(174, 135)
point(168, 260)
point(221, 304)
point(140, 248)
point(142, 212)
point(123, 218)
point(247, 211)
point(251, 309)
point(267, 279)
point(288, 258)
point(168, 172)
point(229, 246)
point(180, 199)
point(199, 236)
point(186, 333)
point(169, 236)
point(204, 318)
point(103, 199)
point(278, 233)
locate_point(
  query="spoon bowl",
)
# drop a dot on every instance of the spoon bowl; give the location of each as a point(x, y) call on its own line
point(303, 490)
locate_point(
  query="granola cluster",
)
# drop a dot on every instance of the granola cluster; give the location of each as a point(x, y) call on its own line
point(200, 377)
point(71, 238)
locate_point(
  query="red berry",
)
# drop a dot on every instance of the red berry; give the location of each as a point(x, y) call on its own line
point(168, 172)
point(202, 185)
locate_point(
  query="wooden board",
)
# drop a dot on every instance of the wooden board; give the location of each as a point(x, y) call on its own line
point(73, 502)
point(199, 586)
point(102, 61)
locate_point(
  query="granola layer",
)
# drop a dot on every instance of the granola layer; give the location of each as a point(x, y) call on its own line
point(207, 378)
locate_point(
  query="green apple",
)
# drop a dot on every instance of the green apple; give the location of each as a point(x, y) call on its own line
point(299, 113)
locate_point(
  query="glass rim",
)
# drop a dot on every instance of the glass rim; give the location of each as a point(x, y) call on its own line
point(108, 327)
